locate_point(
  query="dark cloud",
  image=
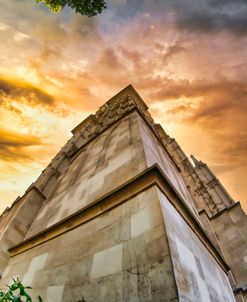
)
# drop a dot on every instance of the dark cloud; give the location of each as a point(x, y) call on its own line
point(46, 53)
point(120, 65)
point(84, 27)
point(216, 110)
point(213, 16)
point(17, 89)
point(173, 89)
point(211, 22)
point(193, 15)
point(225, 2)
point(226, 100)
point(134, 57)
point(172, 51)
point(179, 109)
point(109, 59)
point(222, 116)
point(13, 146)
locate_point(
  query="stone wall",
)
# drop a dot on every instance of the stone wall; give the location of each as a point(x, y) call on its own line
point(155, 153)
point(230, 227)
point(141, 250)
point(17, 223)
point(121, 152)
point(108, 161)
point(121, 255)
point(198, 276)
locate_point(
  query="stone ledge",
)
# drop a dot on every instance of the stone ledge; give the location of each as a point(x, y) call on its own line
point(150, 177)
point(240, 290)
point(220, 212)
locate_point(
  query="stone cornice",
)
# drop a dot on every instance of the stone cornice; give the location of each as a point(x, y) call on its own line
point(237, 203)
point(150, 177)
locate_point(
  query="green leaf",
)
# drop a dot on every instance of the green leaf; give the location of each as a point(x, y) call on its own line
point(54, 5)
point(16, 299)
point(84, 7)
point(17, 285)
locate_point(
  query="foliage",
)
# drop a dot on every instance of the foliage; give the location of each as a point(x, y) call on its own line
point(84, 7)
point(16, 292)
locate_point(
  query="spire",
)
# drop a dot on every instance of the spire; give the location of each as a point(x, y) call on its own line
point(219, 194)
point(195, 161)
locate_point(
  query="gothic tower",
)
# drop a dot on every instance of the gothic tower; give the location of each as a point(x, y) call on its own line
point(122, 214)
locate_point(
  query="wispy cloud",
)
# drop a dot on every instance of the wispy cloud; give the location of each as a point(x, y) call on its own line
point(21, 89)
point(14, 146)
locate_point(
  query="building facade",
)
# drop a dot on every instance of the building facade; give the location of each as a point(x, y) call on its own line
point(122, 214)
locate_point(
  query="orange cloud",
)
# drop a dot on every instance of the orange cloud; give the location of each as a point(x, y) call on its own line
point(14, 146)
point(17, 88)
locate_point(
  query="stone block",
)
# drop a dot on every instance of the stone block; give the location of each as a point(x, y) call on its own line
point(36, 264)
point(157, 249)
point(54, 293)
point(107, 262)
point(140, 223)
point(162, 282)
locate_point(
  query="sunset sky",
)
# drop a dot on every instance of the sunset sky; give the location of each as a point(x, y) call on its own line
point(186, 58)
